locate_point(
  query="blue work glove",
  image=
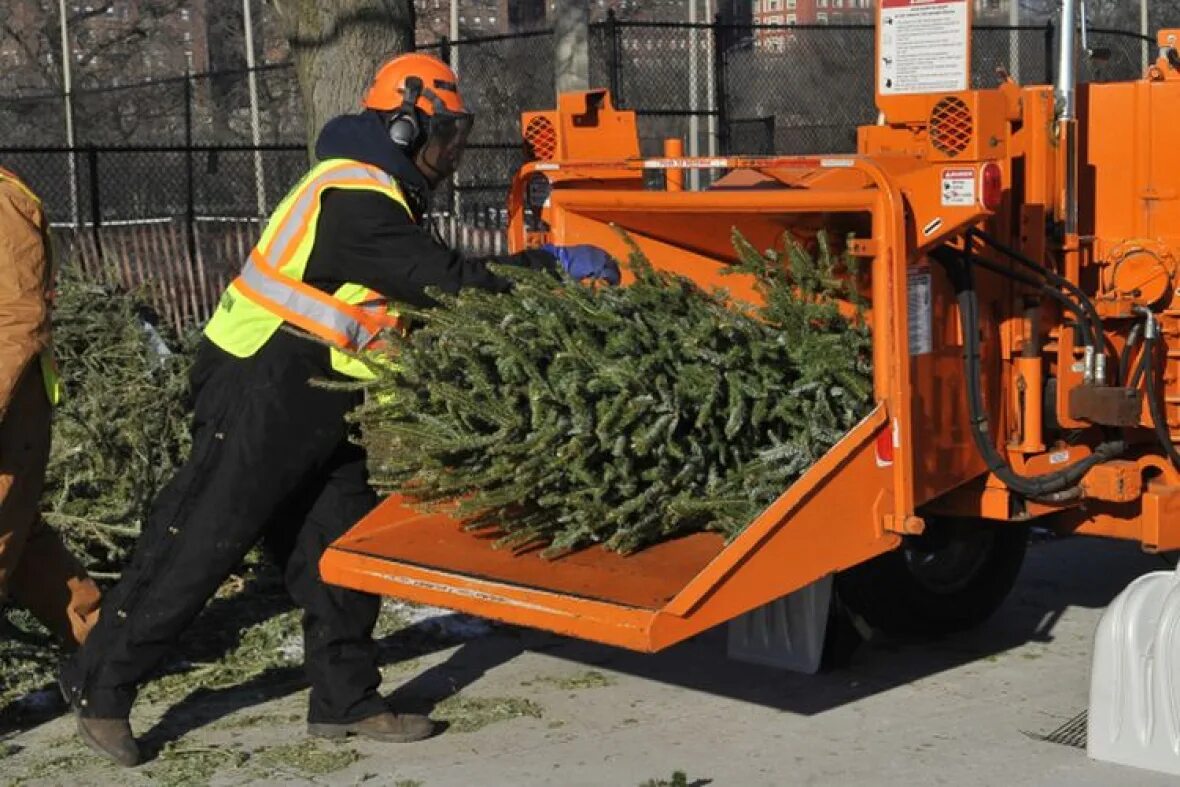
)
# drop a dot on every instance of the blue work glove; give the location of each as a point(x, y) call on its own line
point(585, 262)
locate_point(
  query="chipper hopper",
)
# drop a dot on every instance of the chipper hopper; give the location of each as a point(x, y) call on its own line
point(1020, 260)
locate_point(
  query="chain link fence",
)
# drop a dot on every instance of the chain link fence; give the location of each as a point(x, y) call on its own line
point(201, 109)
point(187, 146)
point(202, 163)
point(795, 89)
point(500, 77)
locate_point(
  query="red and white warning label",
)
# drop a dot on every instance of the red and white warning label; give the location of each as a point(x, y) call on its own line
point(923, 46)
point(958, 187)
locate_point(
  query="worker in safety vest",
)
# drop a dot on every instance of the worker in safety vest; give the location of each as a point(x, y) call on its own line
point(36, 570)
point(271, 455)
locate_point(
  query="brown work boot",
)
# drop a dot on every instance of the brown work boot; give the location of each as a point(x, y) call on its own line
point(111, 738)
point(387, 726)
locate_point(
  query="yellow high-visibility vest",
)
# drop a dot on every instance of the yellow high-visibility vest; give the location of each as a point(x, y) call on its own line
point(270, 289)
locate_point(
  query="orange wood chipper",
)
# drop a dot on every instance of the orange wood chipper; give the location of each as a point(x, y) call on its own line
point(1020, 249)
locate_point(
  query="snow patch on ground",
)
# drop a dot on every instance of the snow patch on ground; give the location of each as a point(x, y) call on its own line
point(443, 622)
point(291, 650)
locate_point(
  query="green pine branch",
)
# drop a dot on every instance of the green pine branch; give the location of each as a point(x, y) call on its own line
point(570, 415)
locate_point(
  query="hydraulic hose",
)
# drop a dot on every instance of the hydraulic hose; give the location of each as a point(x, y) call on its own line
point(1043, 288)
point(1046, 485)
point(1125, 355)
point(1139, 368)
point(1096, 332)
point(1155, 404)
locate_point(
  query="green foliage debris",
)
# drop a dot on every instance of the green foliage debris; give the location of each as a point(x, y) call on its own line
point(679, 779)
point(308, 758)
point(123, 428)
point(467, 714)
point(591, 679)
point(180, 764)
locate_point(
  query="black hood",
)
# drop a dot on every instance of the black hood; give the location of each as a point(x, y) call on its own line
point(364, 138)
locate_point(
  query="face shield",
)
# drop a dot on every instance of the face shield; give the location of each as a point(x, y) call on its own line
point(446, 139)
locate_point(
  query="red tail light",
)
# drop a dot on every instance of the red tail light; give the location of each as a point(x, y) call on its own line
point(885, 448)
point(991, 186)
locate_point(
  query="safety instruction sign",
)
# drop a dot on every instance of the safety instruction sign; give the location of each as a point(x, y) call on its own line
point(923, 46)
point(958, 187)
point(920, 307)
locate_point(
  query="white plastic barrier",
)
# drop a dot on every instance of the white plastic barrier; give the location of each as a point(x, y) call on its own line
point(787, 633)
point(1135, 679)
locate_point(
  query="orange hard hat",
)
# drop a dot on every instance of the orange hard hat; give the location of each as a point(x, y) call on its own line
point(439, 85)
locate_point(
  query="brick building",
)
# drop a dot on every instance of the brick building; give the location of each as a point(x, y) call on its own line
point(122, 42)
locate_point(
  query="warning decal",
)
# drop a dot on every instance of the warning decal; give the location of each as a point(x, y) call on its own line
point(923, 46)
point(958, 187)
point(920, 308)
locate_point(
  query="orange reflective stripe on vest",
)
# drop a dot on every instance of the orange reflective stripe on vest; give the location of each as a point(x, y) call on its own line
point(315, 311)
point(263, 280)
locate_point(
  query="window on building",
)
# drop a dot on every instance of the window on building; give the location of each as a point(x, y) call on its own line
point(791, 18)
point(773, 5)
point(790, 3)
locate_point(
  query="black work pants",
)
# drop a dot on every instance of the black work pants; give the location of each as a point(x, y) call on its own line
point(270, 456)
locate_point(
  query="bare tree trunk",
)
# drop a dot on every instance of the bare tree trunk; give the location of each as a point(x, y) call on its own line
point(571, 41)
point(337, 45)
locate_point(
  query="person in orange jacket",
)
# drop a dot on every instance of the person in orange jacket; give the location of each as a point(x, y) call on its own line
point(36, 569)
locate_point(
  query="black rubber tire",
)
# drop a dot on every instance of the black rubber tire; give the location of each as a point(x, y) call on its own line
point(949, 579)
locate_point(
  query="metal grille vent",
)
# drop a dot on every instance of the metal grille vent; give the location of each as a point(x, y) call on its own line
point(950, 126)
point(540, 139)
point(1071, 733)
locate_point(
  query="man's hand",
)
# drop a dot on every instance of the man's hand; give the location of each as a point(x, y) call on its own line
point(585, 262)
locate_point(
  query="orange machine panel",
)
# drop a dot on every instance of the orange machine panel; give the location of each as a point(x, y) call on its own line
point(649, 600)
point(648, 579)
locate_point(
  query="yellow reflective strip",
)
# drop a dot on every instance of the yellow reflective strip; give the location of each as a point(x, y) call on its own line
point(20, 185)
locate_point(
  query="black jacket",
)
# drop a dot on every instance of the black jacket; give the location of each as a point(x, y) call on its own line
point(366, 238)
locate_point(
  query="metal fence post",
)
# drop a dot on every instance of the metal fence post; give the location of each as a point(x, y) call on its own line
point(720, 94)
point(95, 199)
point(190, 207)
point(72, 164)
point(444, 49)
point(612, 55)
point(1049, 52)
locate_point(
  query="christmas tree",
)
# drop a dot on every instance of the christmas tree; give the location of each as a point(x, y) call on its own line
point(567, 415)
point(122, 429)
